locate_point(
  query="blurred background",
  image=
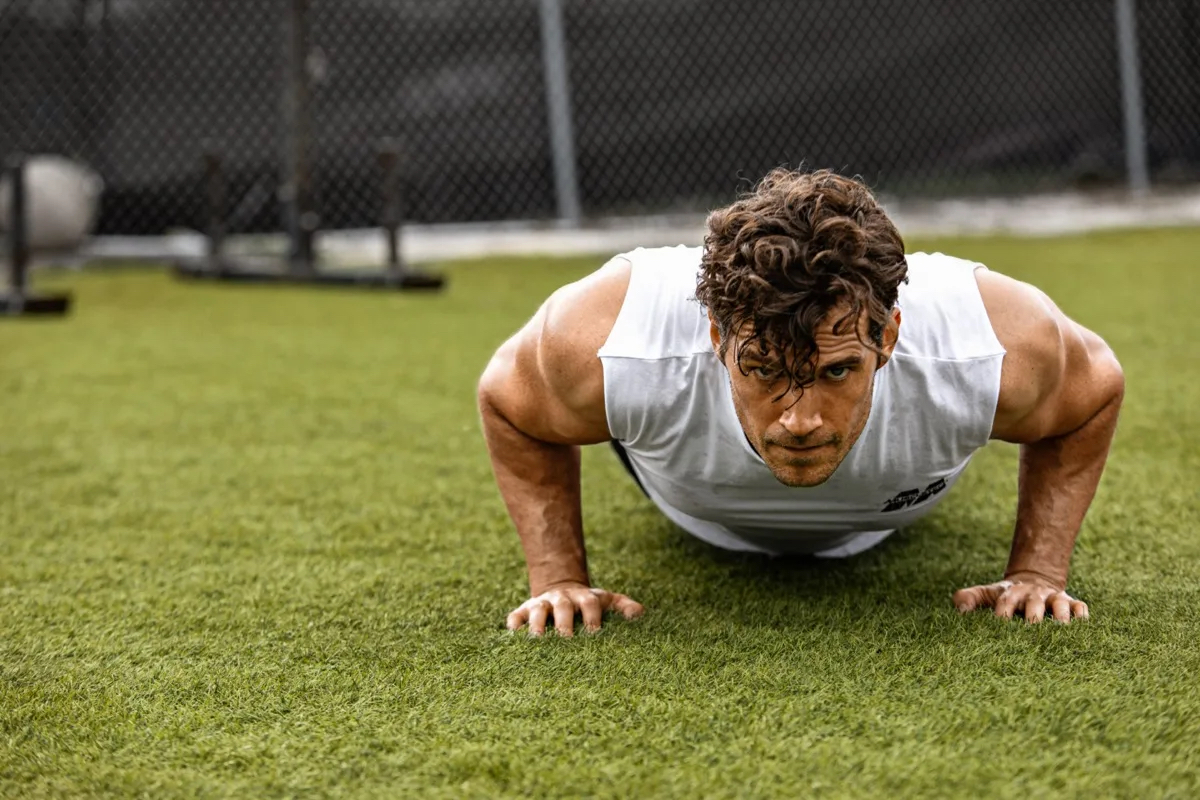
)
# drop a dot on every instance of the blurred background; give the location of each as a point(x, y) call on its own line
point(576, 110)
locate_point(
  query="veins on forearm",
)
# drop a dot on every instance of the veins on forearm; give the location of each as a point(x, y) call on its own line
point(1057, 482)
point(539, 483)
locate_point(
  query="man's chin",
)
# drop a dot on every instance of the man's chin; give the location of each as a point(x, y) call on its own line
point(802, 476)
point(799, 468)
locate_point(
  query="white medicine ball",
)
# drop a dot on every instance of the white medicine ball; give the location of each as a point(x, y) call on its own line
point(62, 200)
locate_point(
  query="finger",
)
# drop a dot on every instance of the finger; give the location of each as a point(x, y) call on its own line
point(564, 615)
point(517, 618)
point(1035, 607)
point(967, 599)
point(974, 597)
point(1060, 604)
point(537, 617)
point(1009, 601)
point(1079, 609)
point(629, 607)
point(592, 610)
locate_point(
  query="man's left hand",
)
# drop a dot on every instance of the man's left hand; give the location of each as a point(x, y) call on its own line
point(1034, 600)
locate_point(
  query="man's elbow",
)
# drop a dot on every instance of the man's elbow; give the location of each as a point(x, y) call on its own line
point(1096, 370)
point(1110, 377)
point(496, 378)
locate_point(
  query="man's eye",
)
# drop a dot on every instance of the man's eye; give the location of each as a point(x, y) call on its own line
point(764, 373)
point(838, 373)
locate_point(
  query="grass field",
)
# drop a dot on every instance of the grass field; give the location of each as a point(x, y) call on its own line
point(249, 546)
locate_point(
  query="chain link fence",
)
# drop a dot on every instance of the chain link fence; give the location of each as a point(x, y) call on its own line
point(672, 105)
point(1169, 34)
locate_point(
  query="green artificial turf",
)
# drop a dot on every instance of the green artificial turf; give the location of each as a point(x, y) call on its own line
point(250, 546)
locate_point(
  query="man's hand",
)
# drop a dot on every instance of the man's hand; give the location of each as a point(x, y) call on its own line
point(1034, 600)
point(562, 601)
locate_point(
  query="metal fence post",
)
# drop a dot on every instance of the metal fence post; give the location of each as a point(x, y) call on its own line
point(18, 228)
point(1131, 96)
point(391, 215)
point(214, 184)
point(302, 218)
point(558, 104)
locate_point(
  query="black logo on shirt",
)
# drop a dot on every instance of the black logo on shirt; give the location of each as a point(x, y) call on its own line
point(914, 496)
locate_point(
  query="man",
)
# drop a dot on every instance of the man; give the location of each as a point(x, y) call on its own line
point(798, 385)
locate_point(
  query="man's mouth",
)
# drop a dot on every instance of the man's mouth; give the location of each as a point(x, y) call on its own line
point(808, 448)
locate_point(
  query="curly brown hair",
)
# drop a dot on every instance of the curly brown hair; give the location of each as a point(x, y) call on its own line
point(783, 257)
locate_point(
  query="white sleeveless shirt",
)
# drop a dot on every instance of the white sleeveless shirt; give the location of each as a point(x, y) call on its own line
point(669, 403)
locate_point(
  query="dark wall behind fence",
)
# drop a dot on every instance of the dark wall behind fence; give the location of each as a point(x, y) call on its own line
point(675, 103)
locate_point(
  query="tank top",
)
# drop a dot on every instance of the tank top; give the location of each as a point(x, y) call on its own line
point(669, 403)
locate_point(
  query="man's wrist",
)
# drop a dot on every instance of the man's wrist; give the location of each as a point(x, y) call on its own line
point(542, 582)
point(1037, 577)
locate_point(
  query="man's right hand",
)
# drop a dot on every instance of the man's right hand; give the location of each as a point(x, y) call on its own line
point(562, 602)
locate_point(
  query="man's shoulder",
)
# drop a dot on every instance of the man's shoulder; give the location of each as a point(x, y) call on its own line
point(545, 380)
point(578, 317)
point(1042, 345)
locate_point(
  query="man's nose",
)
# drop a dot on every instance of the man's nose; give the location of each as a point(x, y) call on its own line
point(802, 417)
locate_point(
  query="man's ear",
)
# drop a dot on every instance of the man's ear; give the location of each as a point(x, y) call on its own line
point(714, 333)
point(891, 334)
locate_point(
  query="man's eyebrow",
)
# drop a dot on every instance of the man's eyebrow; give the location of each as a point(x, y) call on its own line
point(766, 360)
point(846, 361)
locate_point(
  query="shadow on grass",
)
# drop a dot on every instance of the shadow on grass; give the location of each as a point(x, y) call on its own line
point(911, 574)
point(964, 542)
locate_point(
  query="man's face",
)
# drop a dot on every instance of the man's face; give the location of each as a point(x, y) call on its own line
point(804, 435)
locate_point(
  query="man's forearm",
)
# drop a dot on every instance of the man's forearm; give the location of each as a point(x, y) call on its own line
point(539, 482)
point(1057, 481)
